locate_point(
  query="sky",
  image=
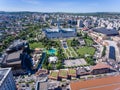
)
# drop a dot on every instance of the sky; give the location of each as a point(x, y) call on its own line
point(77, 6)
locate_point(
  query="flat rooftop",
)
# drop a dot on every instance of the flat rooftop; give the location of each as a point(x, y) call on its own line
point(3, 74)
point(14, 55)
point(108, 83)
point(42, 86)
point(13, 58)
point(58, 30)
point(108, 32)
point(48, 85)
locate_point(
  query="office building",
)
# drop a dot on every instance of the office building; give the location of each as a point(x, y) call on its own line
point(60, 33)
point(6, 79)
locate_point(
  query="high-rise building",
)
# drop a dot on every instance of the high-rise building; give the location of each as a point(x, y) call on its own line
point(80, 23)
point(6, 79)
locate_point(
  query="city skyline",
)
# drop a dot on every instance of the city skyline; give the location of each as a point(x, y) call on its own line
point(77, 6)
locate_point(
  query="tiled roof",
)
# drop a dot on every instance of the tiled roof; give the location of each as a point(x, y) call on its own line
point(108, 83)
point(100, 66)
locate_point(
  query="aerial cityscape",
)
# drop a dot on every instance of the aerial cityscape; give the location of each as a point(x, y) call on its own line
point(59, 45)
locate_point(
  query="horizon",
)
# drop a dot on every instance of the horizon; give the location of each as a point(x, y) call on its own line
point(66, 6)
point(57, 12)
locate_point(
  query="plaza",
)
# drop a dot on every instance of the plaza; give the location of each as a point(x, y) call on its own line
point(76, 62)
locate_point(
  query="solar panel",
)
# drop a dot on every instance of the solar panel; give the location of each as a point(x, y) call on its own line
point(112, 53)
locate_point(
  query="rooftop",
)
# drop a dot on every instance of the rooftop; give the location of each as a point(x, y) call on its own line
point(16, 44)
point(3, 74)
point(108, 83)
point(58, 30)
point(13, 57)
point(63, 73)
point(108, 32)
point(53, 59)
point(48, 85)
point(72, 72)
point(82, 71)
point(41, 71)
point(54, 74)
point(42, 86)
point(100, 66)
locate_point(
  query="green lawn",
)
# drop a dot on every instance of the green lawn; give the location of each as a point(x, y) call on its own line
point(69, 42)
point(72, 50)
point(73, 54)
point(72, 71)
point(68, 52)
point(63, 73)
point(89, 41)
point(86, 50)
point(54, 74)
point(64, 53)
point(36, 45)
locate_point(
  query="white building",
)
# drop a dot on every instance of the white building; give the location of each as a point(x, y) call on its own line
point(60, 33)
point(80, 23)
point(6, 79)
point(52, 59)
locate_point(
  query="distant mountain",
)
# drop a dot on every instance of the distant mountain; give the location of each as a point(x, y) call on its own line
point(84, 14)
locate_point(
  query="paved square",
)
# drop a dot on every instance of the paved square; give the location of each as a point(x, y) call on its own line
point(76, 62)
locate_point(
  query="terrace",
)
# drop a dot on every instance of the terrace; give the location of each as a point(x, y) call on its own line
point(63, 73)
point(54, 74)
point(72, 72)
point(73, 63)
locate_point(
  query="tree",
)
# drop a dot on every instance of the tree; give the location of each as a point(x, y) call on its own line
point(74, 43)
point(49, 66)
point(104, 51)
point(85, 35)
point(59, 65)
point(90, 60)
point(79, 34)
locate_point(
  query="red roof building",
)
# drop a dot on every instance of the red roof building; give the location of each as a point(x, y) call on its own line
point(108, 83)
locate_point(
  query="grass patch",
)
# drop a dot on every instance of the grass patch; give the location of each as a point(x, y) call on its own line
point(54, 74)
point(73, 52)
point(70, 48)
point(72, 71)
point(36, 45)
point(86, 50)
point(69, 42)
point(63, 73)
point(89, 42)
point(68, 52)
point(64, 53)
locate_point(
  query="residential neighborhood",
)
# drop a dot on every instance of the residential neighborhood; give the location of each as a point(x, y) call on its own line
point(59, 50)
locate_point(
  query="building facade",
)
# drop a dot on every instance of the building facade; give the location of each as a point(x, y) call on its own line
point(6, 79)
point(60, 33)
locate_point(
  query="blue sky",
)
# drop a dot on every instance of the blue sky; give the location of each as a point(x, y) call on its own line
point(61, 5)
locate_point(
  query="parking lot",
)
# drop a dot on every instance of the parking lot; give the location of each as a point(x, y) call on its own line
point(76, 62)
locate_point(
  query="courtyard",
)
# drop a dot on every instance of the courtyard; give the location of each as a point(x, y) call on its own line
point(76, 62)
